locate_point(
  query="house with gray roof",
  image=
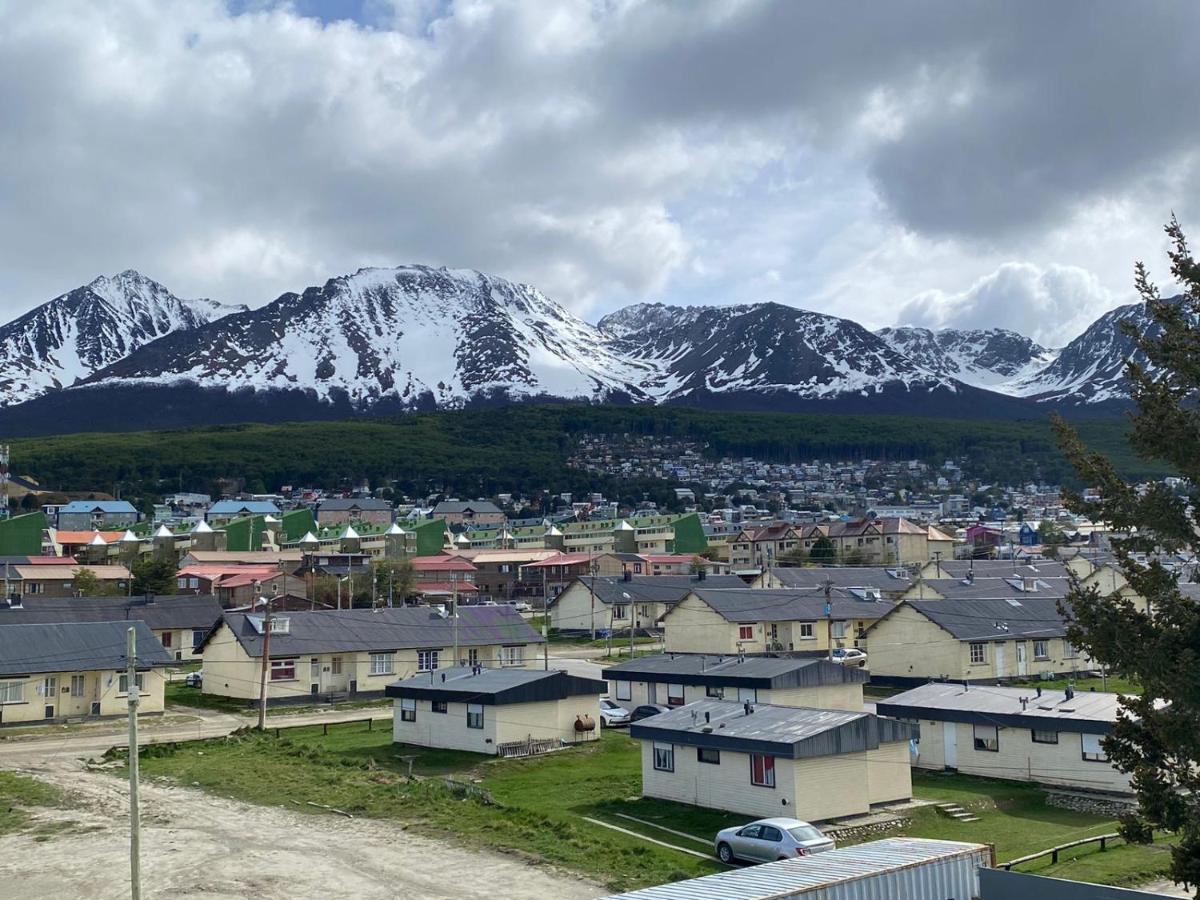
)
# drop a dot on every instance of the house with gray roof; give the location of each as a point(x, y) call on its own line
point(958, 569)
point(764, 760)
point(972, 640)
point(989, 588)
point(96, 515)
point(679, 679)
point(729, 622)
point(888, 581)
point(616, 602)
point(1017, 733)
point(227, 510)
point(468, 512)
point(358, 652)
point(504, 712)
point(338, 511)
point(52, 672)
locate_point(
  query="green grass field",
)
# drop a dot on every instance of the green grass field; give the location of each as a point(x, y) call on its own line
point(20, 794)
point(536, 806)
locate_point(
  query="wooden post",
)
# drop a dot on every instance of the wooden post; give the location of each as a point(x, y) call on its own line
point(135, 824)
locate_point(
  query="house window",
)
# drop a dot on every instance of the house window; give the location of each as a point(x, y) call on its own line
point(708, 755)
point(747, 695)
point(408, 709)
point(1040, 650)
point(439, 706)
point(1069, 651)
point(674, 695)
point(762, 770)
point(33, 587)
point(837, 629)
point(181, 582)
point(1092, 751)
point(987, 737)
point(427, 661)
point(139, 680)
point(165, 640)
point(978, 654)
point(283, 669)
point(512, 656)
point(314, 669)
point(473, 656)
point(624, 690)
point(807, 631)
point(193, 582)
point(664, 757)
point(76, 685)
point(745, 632)
point(197, 637)
point(715, 691)
point(12, 692)
point(1045, 737)
point(620, 611)
point(335, 665)
point(474, 715)
point(383, 663)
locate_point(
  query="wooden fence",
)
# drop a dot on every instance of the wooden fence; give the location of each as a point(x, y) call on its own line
point(527, 747)
point(1053, 852)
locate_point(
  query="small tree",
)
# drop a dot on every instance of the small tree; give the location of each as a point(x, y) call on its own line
point(153, 576)
point(822, 551)
point(393, 578)
point(87, 584)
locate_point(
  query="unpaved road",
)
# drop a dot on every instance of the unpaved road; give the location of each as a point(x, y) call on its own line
point(198, 845)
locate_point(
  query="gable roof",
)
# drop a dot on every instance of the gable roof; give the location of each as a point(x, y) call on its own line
point(788, 605)
point(234, 507)
point(991, 620)
point(336, 504)
point(159, 613)
point(460, 506)
point(998, 568)
point(891, 580)
point(997, 588)
point(748, 671)
point(650, 588)
point(77, 647)
point(68, 570)
point(495, 687)
point(104, 506)
point(353, 630)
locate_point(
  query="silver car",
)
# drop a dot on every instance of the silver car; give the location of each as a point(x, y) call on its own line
point(768, 840)
point(613, 715)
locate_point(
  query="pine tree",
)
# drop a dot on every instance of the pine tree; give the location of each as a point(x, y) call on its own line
point(1156, 739)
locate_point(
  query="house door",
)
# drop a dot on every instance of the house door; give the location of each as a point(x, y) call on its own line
point(651, 692)
point(1000, 673)
point(1022, 669)
point(314, 674)
point(950, 744)
point(50, 692)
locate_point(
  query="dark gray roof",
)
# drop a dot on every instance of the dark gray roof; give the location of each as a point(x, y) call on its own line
point(889, 580)
point(789, 605)
point(750, 671)
point(654, 588)
point(1001, 568)
point(458, 506)
point(787, 731)
point(364, 503)
point(495, 687)
point(1087, 711)
point(351, 630)
point(161, 613)
point(994, 620)
point(79, 647)
point(997, 588)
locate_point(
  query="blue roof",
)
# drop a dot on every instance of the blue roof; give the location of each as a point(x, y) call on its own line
point(233, 507)
point(108, 506)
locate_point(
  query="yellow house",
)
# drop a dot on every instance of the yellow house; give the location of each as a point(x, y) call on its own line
point(778, 681)
point(729, 622)
point(812, 764)
point(1021, 734)
point(505, 712)
point(358, 652)
point(988, 588)
point(616, 602)
point(971, 640)
point(54, 672)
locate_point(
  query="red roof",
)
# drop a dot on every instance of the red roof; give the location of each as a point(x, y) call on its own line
point(672, 558)
point(86, 537)
point(563, 559)
point(441, 564)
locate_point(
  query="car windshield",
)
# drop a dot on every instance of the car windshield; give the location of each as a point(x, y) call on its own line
point(806, 833)
point(839, 652)
point(608, 704)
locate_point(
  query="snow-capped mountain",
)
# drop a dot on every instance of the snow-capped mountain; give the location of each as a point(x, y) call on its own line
point(73, 335)
point(764, 348)
point(995, 358)
point(412, 336)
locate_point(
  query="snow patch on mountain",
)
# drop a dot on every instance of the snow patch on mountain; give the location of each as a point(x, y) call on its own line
point(995, 359)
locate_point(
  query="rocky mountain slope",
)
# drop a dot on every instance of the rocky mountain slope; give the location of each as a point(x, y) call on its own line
point(994, 358)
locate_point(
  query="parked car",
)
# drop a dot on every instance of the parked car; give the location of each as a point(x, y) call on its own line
point(848, 656)
point(646, 711)
point(768, 840)
point(612, 715)
point(194, 679)
point(520, 605)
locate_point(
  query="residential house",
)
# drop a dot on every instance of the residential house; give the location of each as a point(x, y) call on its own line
point(972, 640)
point(747, 621)
point(227, 510)
point(617, 602)
point(96, 515)
point(679, 680)
point(41, 580)
point(358, 652)
point(50, 672)
point(972, 588)
point(762, 760)
point(285, 560)
point(504, 712)
point(759, 546)
point(444, 576)
point(336, 511)
point(889, 581)
point(235, 585)
point(498, 573)
point(959, 569)
point(1016, 733)
point(472, 512)
point(178, 623)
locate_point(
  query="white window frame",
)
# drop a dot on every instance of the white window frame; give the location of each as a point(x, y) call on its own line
point(978, 650)
point(1044, 732)
point(675, 695)
point(475, 715)
point(1090, 749)
point(624, 689)
point(123, 683)
point(1069, 650)
point(12, 691)
point(742, 635)
point(78, 685)
point(280, 666)
point(985, 738)
point(408, 709)
point(808, 631)
point(664, 757)
point(512, 656)
point(747, 695)
point(1045, 651)
point(768, 776)
point(839, 629)
point(383, 663)
point(427, 661)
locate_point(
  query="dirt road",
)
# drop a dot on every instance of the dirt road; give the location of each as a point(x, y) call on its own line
point(197, 845)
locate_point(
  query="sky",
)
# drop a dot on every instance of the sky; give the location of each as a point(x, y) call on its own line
point(946, 164)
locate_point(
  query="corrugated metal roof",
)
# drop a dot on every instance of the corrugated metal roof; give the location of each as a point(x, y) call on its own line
point(748, 671)
point(233, 507)
point(105, 506)
point(951, 702)
point(495, 687)
point(795, 877)
point(78, 647)
point(998, 588)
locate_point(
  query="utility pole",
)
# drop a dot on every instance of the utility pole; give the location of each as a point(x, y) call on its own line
point(454, 612)
point(593, 567)
point(266, 668)
point(135, 824)
point(829, 615)
point(545, 622)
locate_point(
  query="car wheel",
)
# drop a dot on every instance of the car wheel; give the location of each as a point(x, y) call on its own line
point(725, 853)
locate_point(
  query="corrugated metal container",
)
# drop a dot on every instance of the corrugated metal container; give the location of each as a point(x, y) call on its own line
point(892, 869)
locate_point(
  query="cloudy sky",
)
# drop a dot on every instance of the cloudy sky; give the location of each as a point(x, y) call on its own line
point(936, 163)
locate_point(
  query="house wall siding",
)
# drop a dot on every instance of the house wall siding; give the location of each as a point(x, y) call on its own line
point(889, 773)
point(725, 786)
point(693, 627)
point(828, 696)
point(101, 687)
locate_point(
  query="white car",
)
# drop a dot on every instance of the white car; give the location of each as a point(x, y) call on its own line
point(613, 715)
point(848, 656)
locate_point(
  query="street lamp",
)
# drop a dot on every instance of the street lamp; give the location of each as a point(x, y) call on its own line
point(339, 590)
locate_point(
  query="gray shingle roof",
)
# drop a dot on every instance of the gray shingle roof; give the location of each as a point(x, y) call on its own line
point(787, 731)
point(459, 506)
point(997, 588)
point(751, 671)
point(495, 687)
point(364, 503)
point(888, 580)
point(166, 612)
point(1001, 568)
point(1086, 711)
point(655, 588)
point(994, 620)
point(789, 605)
point(354, 630)
point(80, 647)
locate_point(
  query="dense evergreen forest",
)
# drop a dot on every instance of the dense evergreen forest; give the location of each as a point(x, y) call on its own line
point(523, 448)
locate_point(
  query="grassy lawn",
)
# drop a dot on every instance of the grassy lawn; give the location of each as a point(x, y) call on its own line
point(535, 806)
point(19, 794)
point(179, 694)
point(1112, 685)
